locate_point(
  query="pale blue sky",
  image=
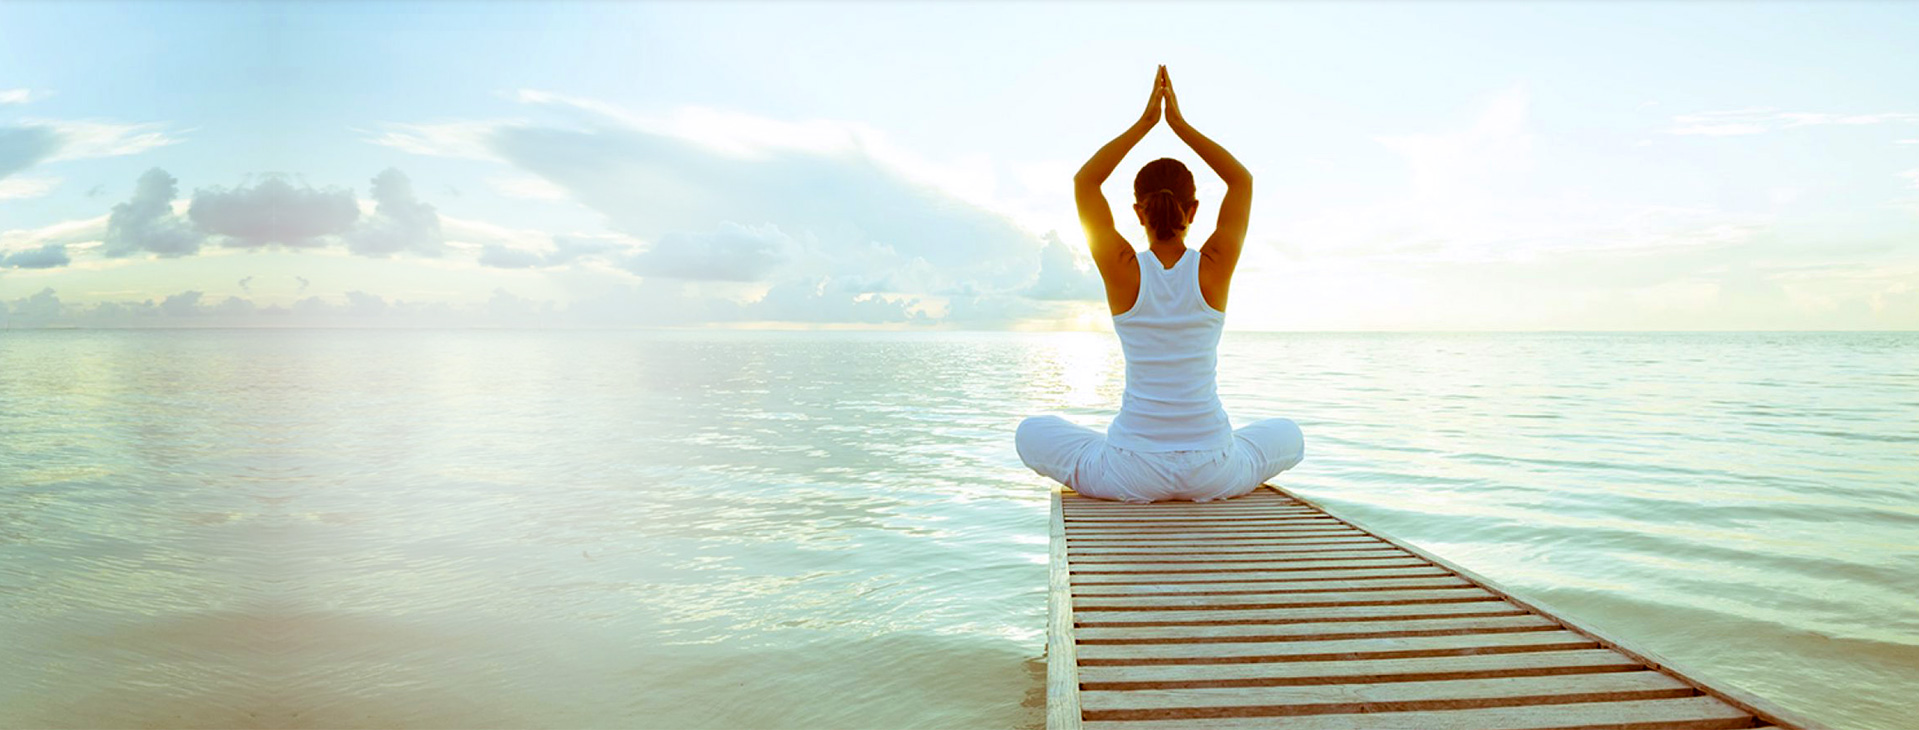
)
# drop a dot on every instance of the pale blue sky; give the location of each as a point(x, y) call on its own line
point(1420, 165)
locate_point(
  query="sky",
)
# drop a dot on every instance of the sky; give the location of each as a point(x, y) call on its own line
point(1418, 166)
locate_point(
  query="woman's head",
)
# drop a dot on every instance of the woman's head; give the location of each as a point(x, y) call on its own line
point(1163, 198)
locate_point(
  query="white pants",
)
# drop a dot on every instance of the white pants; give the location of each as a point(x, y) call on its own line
point(1080, 458)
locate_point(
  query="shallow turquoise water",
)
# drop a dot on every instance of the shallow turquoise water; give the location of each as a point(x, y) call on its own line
point(830, 529)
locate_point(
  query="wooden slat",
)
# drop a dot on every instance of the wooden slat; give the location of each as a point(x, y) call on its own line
point(1135, 519)
point(1078, 503)
point(1229, 558)
point(1150, 529)
point(1062, 651)
point(1684, 713)
point(1296, 586)
point(1452, 694)
point(1293, 615)
point(1222, 530)
point(1386, 571)
point(1280, 651)
point(1281, 566)
point(1459, 594)
point(1092, 551)
point(1232, 540)
point(1355, 671)
point(1320, 631)
point(1078, 537)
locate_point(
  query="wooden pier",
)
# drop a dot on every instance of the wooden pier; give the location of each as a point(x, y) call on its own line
point(1266, 611)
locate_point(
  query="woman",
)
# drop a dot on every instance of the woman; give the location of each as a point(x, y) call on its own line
point(1171, 440)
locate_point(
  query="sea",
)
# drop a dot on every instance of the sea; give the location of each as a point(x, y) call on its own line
point(831, 529)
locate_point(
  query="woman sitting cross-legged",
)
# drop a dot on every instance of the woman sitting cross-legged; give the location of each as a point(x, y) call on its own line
point(1171, 440)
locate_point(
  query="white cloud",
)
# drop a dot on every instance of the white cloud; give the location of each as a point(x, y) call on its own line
point(465, 140)
point(147, 222)
point(1063, 276)
point(274, 211)
point(20, 96)
point(728, 197)
point(733, 252)
point(400, 221)
point(52, 255)
point(86, 139)
point(1761, 120)
point(530, 188)
point(27, 187)
point(22, 147)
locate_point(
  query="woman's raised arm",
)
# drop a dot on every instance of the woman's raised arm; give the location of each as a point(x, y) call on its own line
point(1230, 234)
point(1111, 252)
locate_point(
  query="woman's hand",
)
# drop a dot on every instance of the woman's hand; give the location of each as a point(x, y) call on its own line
point(1151, 116)
point(1172, 102)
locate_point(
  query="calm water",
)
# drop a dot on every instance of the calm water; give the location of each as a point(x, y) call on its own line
point(573, 529)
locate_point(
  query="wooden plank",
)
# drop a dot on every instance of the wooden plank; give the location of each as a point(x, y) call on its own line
point(1439, 626)
point(1229, 558)
point(1077, 502)
point(1201, 522)
point(1452, 694)
point(1210, 528)
point(1283, 651)
point(1232, 542)
point(1096, 550)
point(1163, 517)
point(1244, 602)
point(1682, 713)
point(1087, 579)
point(1096, 590)
point(1277, 566)
point(1759, 707)
point(1190, 534)
point(1151, 513)
point(1062, 651)
point(1294, 615)
point(1356, 671)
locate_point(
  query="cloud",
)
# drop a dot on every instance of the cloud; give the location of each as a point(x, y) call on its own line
point(27, 187)
point(732, 253)
point(472, 140)
point(49, 256)
point(502, 257)
point(1061, 277)
point(184, 304)
point(530, 188)
point(400, 222)
point(273, 211)
point(38, 310)
point(64, 232)
point(24, 147)
point(564, 250)
point(817, 301)
point(17, 96)
point(1737, 122)
point(88, 139)
point(147, 223)
point(830, 226)
point(860, 218)
point(246, 283)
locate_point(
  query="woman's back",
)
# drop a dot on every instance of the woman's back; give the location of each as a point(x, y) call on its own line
point(1170, 338)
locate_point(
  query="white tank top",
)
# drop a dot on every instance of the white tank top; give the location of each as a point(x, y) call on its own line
point(1171, 341)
